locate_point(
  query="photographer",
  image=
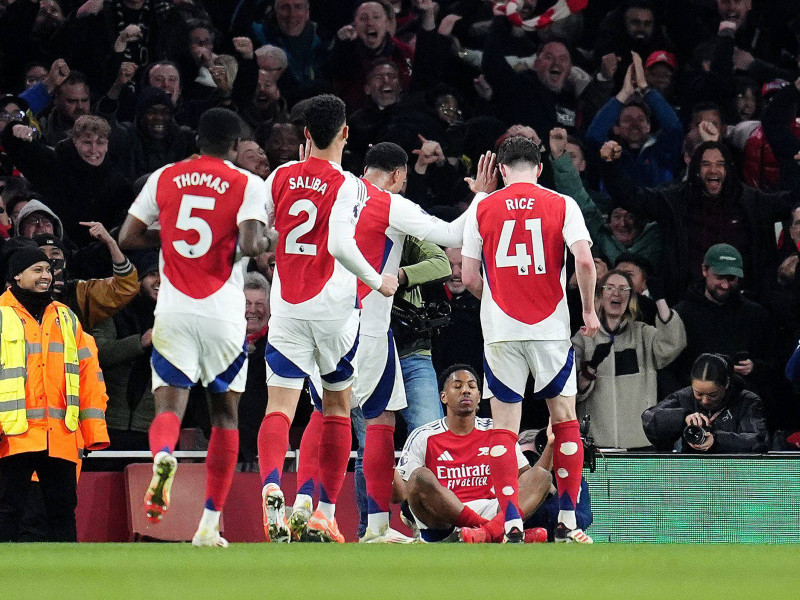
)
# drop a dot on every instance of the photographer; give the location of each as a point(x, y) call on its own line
point(714, 414)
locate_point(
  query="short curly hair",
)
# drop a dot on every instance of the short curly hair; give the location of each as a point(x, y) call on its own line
point(90, 125)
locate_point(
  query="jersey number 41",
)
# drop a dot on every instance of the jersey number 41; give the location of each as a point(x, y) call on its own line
point(521, 259)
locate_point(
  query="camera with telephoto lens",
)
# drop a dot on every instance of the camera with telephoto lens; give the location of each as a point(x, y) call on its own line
point(694, 434)
point(413, 326)
point(589, 447)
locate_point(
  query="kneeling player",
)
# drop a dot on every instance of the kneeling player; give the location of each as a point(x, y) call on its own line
point(444, 471)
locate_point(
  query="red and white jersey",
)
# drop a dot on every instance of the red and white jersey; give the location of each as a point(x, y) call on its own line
point(519, 233)
point(459, 462)
point(380, 234)
point(312, 202)
point(199, 204)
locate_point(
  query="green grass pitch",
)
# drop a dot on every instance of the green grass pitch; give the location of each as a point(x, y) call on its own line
point(321, 572)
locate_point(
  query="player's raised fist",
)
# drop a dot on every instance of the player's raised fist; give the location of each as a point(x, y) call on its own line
point(389, 285)
point(610, 151)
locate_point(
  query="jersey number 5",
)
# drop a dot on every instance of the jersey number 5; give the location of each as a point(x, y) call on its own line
point(521, 259)
point(186, 222)
point(292, 245)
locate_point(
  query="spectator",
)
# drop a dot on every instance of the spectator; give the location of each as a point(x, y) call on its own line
point(760, 168)
point(253, 403)
point(710, 207)
point(726, 418)
point(461, 340)
point(641, 271)
point(648, 160)
point(280, 141)
point(124, 344)
point(719, 319)
point(536, 97)
point(632, 27)
point(623, 231)
point(71, 101)
point(660, 72)
point(266, 105)
point(153, 140)
point(356, 46)
point(65, 382)
point(252, 157)
point(92, 300)
point(35, 218)
point(617, 367)
point(781, 132)
point(76, 169)
point(288, 26)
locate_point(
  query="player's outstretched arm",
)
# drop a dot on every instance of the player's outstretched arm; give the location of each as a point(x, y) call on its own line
point(135, 235)
point(253, 239)
point(471, 275)
point(587, 278)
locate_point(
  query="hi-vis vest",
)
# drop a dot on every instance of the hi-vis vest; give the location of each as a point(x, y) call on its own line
point(13, 373)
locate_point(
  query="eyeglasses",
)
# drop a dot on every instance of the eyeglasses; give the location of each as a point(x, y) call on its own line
point(14, 115)
point(36, 221)
point(623, 289)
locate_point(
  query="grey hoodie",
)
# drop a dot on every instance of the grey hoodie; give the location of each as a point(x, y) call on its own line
point(37, 206)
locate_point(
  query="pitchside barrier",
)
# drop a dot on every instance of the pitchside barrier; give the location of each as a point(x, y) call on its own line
point(636, 497)
point(676, 498)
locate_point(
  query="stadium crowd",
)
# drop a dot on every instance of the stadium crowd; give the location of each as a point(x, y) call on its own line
point(672, 123)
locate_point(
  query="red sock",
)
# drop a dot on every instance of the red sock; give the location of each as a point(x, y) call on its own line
point(308, 465)
point(379, 467)
point(469, 518)
point(164, 432)
point(503, 466)
point(273, 440)
point(495, 526)
point(223, 449)
point(568, 463)
point(334, 452)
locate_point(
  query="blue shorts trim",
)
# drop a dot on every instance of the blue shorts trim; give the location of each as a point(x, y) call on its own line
point(281, 365)
point(379, 399)
point(500, 390)
point(553, 389)
point(435, 535)
point(223, 380)
point(315, 397)
point(344, 370)
point(168, 372)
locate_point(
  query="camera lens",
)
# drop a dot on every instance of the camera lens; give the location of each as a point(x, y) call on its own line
point(694, 435)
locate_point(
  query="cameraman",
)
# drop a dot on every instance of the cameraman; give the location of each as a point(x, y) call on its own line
point(714, 414)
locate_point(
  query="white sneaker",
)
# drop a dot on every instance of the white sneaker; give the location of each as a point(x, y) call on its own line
point(273, 505)
point(205, 538)
point(389, 536)
point(412, 525)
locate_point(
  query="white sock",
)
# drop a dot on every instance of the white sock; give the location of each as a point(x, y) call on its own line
point(567, 517)
point(303, 501)
point(378, 522)
point(514, 523)
point(327, 510)
point(210, 520)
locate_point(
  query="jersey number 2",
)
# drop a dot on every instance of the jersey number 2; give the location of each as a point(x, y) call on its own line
point(292, 245)
point(521, 259)
point(186, 222)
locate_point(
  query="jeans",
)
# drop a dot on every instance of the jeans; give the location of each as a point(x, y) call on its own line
point(424, 406)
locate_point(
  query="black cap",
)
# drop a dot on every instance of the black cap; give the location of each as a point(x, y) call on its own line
point(24, 258)
point(46, 239)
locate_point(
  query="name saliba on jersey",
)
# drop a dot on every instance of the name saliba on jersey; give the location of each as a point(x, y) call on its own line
point(217, 184)
point(309, 183)
point(463, 476)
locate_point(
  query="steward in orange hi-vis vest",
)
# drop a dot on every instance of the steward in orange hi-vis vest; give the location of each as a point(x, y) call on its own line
point(52, 397)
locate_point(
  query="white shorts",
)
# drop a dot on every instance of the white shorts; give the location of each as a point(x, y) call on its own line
point(507, 365)
point(188, 348)
point(379, 385)
point(296, 346)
